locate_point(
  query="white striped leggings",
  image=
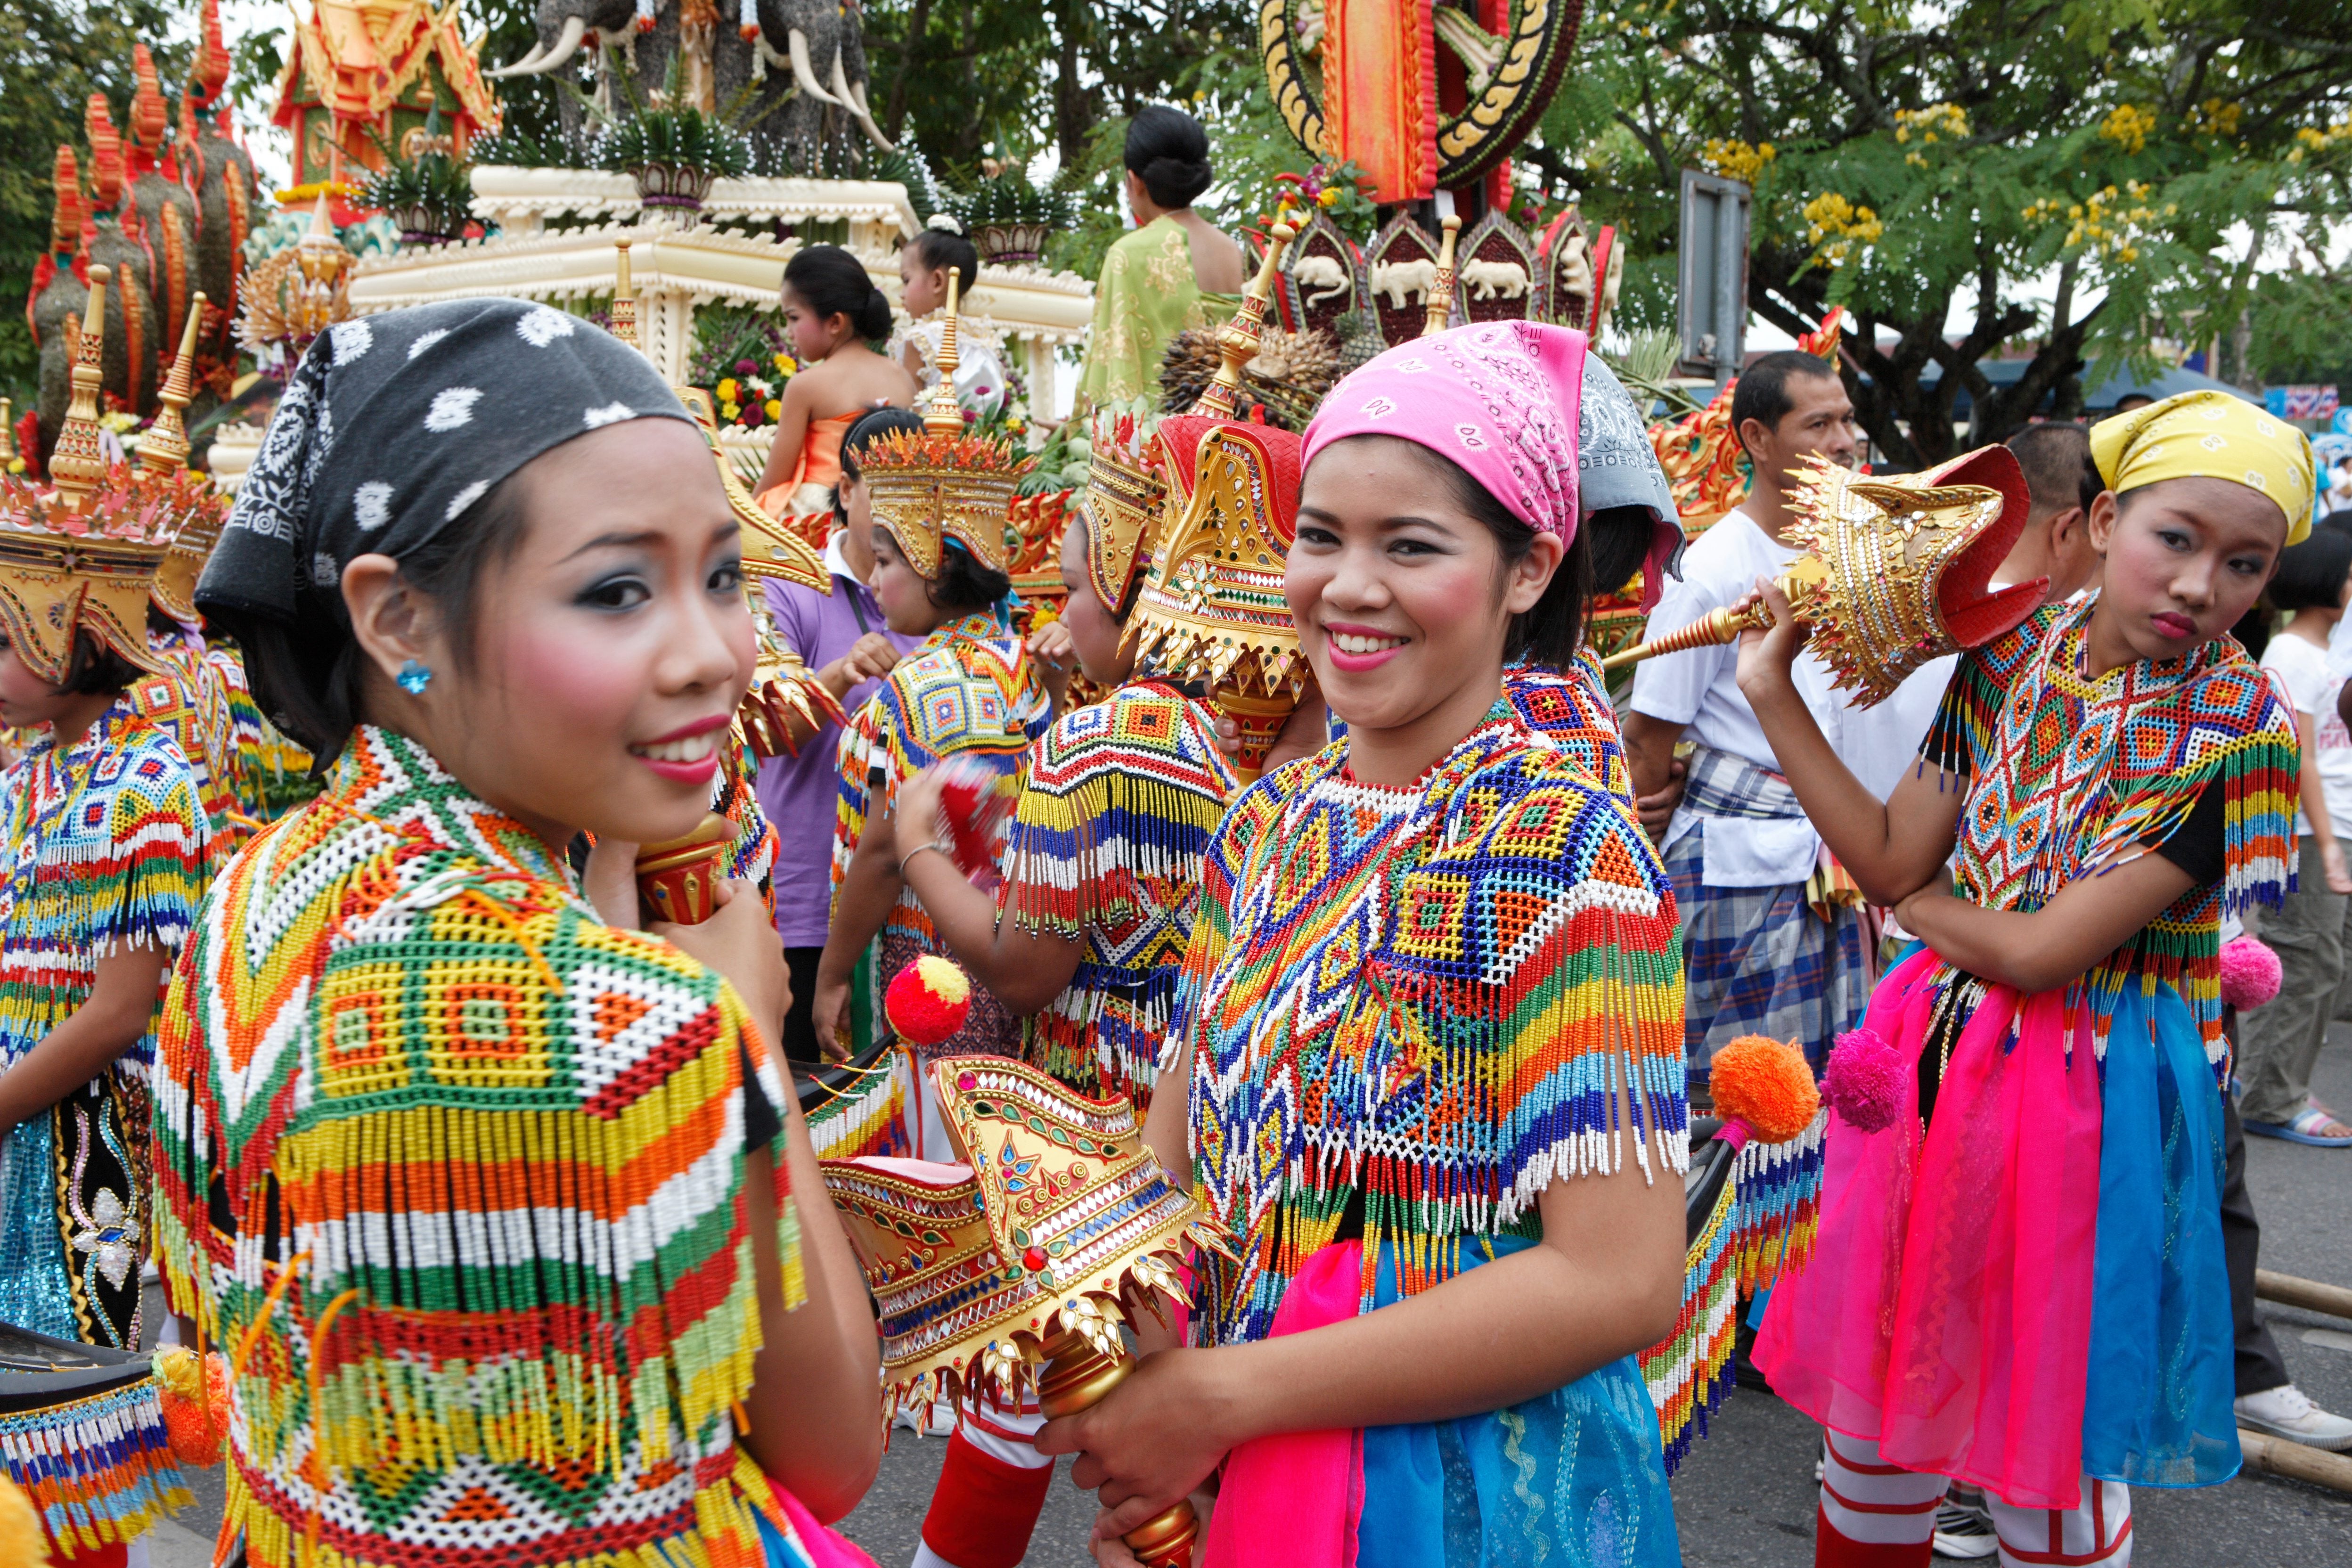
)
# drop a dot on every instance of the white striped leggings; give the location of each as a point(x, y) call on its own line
point(1877, 1515)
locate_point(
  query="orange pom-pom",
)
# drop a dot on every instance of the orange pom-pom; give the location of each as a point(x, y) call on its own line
point(1766, 1084)
point(23, 1543)
point(928, 1001)
point(194, 1397)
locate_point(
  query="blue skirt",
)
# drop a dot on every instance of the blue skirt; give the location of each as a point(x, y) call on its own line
point(2161, 1381)
point(1575, 1477)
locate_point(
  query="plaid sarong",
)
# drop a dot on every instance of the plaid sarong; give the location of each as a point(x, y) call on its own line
point(1758, 961)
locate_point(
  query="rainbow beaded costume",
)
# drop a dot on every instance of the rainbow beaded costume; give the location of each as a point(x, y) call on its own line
point(193, 705)
point(1419, 997)
point(106, 844)
point(2069, 774)
point(1122, 800)
point(471, 1163)
point(1570, 708)
point(968, 692)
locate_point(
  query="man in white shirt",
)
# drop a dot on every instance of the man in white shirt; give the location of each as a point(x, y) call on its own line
point(1763, 953)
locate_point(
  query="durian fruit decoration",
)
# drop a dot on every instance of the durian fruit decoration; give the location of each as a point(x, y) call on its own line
point(1285, 379)
point(1898, 572)
point(1211, 608)
point(1020, 1268)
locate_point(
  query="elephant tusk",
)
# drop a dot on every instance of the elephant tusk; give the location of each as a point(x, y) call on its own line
point(796, 42)
point(865, 117)
point(523, 66)
point(567, 44)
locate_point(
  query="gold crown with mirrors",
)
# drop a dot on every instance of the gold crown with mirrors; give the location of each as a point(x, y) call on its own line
point(1020, 1268)
point(1897, 573)
point(1211, 608)
point(84, 553)
point(945, 483)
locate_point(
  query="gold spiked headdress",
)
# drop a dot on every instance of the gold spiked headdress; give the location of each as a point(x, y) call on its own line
point(195, 511)
point(944, 484)
point(1127, 485)
point(1057, 1223)
point(81, 555)
point(1897, 571)
point(1211, 608)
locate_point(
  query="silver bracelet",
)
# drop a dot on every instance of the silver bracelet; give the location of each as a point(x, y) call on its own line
point(917, 850)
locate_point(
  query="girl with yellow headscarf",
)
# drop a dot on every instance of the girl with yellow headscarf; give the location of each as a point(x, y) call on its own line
point(2019, 1278)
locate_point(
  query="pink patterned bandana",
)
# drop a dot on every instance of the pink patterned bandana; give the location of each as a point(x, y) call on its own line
point(1499, 398)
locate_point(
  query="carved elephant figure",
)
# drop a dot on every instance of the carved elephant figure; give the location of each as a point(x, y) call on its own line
point(1398, 278)
point(804, 62)
point(1495, 280)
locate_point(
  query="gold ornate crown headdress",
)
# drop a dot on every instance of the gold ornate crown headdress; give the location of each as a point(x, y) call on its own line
point(1021, 1266)
point(944, 484)
point(1127, 485)
point(82, 555)
point(1897, 571)
point(1211, 608)
point(194, 512)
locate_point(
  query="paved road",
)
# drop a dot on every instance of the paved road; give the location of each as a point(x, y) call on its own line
point(1745, 1496)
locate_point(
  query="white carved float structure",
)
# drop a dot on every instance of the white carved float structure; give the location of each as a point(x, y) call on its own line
point(677, 269)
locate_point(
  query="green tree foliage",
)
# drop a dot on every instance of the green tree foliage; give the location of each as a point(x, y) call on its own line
point(1915, 159)
point(53, 56)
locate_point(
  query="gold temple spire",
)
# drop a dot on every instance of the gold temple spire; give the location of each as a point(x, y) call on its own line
point(625, 295)
point(942, 414)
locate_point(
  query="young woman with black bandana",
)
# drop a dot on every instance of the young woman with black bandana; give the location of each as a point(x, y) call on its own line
point(487, 1191)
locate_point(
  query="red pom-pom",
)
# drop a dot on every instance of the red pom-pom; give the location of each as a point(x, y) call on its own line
point(928, 1001)
point(1864, 1082)
point(1760, 1081)
point(2250, 972)
point(194, 1400)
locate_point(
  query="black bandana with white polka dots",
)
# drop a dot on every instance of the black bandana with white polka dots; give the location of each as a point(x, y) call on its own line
point(393, 425)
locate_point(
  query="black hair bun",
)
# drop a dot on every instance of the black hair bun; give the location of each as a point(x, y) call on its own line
point(874, 320)
point(1167, 149)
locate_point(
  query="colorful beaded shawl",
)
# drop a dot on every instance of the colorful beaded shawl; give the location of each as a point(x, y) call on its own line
point(2068, 774)
point(456, 1171)
point(193, 704)
point(105, 844)
point(1423, 997)
point(1570, 708)
point(1120, 803)
point(969, 690)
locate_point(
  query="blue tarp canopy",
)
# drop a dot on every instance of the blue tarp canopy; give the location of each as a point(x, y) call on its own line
point(2098, 400)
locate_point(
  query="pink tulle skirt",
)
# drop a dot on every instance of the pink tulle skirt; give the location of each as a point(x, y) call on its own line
point(1946, 1313)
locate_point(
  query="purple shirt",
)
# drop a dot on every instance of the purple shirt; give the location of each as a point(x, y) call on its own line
point(799, 793)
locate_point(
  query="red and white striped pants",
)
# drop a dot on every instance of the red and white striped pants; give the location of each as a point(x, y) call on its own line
point(1877, 1515)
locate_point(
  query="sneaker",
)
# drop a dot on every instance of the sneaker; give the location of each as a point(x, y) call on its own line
point(1964, 1529)
point(2287, 1412)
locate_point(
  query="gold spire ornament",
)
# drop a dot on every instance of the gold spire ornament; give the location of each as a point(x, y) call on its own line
point(1021, 1266)
point(1239, 341)
point(1898, 572)
point(78, 463)
point(1440, 292)
point(163, 449)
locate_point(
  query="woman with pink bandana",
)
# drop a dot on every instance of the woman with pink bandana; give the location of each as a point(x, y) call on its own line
point(1426, 1059)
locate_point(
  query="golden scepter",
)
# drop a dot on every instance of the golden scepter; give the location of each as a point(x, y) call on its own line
point(1896, 572)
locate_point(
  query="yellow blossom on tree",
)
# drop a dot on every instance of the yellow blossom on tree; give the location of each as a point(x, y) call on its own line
point(2128, 125)
point(1736, 160)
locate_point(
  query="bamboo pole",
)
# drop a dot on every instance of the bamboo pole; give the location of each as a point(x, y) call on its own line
point(2276, 1456)
point(2310, 1295)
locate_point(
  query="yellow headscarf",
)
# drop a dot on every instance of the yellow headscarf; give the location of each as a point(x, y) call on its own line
point(2213, 436)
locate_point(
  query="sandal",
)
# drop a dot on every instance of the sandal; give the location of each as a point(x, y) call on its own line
point(2313, 1125)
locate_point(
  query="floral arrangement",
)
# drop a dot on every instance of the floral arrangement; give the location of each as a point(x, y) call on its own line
point(742, 360)
point(1336, 189)
point(753, 395)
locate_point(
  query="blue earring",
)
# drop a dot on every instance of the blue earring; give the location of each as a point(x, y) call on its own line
point(414, 677)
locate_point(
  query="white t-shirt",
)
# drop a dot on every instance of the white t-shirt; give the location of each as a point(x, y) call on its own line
point(2301, 669)
point(1699, 689)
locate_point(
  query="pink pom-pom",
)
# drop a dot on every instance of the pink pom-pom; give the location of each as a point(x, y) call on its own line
point(1864, 1082)
point(2250, 972)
